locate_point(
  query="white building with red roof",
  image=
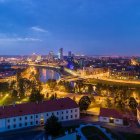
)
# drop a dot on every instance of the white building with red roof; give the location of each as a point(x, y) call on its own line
point(35, 114)
point(138, 114)
point(110, 116)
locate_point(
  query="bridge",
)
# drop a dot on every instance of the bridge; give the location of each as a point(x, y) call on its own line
point(43, 65)
point(76, 76)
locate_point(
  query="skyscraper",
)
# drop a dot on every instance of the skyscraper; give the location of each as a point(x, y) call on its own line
point(69, 54)
point(60, 54)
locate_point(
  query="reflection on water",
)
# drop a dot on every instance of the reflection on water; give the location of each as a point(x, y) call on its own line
point(46, 74)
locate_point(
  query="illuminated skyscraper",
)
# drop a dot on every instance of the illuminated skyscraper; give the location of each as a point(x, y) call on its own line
point(60, 54)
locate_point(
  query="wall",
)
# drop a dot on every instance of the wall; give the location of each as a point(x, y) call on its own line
point(37, 119)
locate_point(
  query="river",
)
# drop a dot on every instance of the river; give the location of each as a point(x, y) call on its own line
point(46, 74)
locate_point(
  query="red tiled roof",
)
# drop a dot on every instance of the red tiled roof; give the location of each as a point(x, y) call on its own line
point(35, 108)
point(106, 112)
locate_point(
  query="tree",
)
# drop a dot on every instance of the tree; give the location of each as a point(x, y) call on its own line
point(14, 94)
point(13, 85)
point(108, 103)
point(52, 126)
point(4, 87)
point(47, 95)
point(36, 96)
point(120, 105)
point(84, 103)
point(52, 97)
point(52, 83)
point(23, 86)
point(92, 98)
point(132, 103)
point(90, 88)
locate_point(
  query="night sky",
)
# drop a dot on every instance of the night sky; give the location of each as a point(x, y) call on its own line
point(94, 27)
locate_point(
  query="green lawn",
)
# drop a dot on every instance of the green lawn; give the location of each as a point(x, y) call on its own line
point(91, 133)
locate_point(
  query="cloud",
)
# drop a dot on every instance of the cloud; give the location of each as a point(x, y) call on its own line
point(19, 39)
point(38, 29)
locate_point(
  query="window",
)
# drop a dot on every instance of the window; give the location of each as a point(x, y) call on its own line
point(8, 120)
point(66, 117)
point(71, 111)
point(66, 111)
point(36, 116)
point(14, 119)
point(8, 126)
point(20, 118)
point(36, 122)
point(14, 125)
point(62, 118)
point(62, 112)
point(31, 123)
point(31, 117)
point(25, 124)
point(57, 113)
point(52, 114)
point(75, 110)
point(47, 114)
point(71, 116)
point(20, 125)
point(25, 118)
point(75, 116)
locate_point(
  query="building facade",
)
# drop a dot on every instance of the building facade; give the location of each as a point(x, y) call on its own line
point(35, 114)
point(110, 116)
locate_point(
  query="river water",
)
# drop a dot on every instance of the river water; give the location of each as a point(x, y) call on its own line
point(46, 74)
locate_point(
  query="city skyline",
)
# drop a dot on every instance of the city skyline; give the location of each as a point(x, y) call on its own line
point(84, 27)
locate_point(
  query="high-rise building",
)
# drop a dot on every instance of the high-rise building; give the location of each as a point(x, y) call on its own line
point(33, 56)
point(51, 56)
point(69, 54)
point(60, 54)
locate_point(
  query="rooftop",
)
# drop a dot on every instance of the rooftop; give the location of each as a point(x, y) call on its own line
point(106, 112)
point(36, 108)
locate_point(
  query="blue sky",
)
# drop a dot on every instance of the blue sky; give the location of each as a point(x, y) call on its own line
point(102, 27)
